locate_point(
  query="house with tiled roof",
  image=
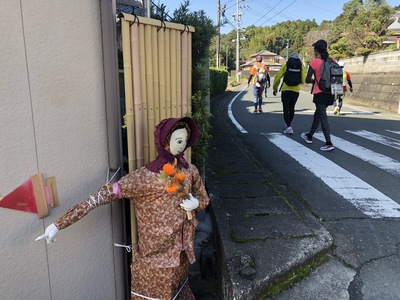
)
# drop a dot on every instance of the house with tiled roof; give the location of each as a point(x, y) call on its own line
point(394, 33)
point(269, 59)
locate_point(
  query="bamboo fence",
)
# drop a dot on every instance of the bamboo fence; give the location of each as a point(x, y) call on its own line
point(157, 59)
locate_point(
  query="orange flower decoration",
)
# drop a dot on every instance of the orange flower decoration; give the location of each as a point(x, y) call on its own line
point(168, 169)
point(181, 176)
point(174, 180)
point(171, 189)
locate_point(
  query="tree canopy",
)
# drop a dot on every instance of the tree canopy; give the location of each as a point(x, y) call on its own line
point(359, 30)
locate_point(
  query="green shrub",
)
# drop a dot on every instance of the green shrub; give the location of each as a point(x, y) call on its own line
point(361, 51)
point(202, 117)
point(218, 81)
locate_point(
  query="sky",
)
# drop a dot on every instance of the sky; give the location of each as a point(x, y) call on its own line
point(266, 12)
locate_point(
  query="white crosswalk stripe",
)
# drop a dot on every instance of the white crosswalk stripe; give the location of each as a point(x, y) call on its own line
point(363, 196)
point(383, 162)
point(384, 140)
point(393, 131)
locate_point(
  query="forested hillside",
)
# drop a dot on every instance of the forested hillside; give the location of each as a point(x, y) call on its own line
point(360, 29)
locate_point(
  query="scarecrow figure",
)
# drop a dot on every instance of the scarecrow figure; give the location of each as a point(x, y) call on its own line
point(166, 193)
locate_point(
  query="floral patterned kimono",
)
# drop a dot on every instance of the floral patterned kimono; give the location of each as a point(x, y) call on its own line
point(165, 232)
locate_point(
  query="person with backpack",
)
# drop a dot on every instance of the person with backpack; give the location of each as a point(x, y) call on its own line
point(323, 94)
point(346, 80)
point(261, 80)
point(293, 75)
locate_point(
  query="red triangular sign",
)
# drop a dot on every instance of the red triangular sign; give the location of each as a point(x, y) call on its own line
point(22, 198)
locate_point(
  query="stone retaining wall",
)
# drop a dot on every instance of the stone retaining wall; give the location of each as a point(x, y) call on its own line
point(376, 79)
point(377, 89)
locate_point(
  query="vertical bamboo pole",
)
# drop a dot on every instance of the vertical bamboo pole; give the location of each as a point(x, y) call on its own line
point(137, 97)
point(145, 125)
point(190, 67)
point(150, 88)
point(173, 74)
point(168, 70)
point(188, 154)
point(178, 82)
point(128, 93)
point(156, 89)
point(156, 78)
point(161, 72)
point(185, 74)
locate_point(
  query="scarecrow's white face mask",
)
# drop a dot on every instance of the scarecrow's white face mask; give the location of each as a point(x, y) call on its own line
point(178, 141)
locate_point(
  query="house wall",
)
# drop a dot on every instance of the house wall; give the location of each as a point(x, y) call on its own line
point(53, 121)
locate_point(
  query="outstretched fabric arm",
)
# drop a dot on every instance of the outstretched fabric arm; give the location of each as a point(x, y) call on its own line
point(104, 196)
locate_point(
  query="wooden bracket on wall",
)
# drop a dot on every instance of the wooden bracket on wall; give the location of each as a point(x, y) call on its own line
point(33, 196)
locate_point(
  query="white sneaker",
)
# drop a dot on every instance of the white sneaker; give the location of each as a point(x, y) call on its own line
point(288, 130)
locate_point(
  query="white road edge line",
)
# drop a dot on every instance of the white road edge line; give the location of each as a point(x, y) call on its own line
point(230, 114)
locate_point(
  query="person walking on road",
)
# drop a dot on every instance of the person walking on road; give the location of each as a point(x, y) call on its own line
point(293, 74)
point(261, 80)
point(346, 80)
point(321, 99)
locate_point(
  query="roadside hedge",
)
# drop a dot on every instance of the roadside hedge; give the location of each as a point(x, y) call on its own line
point(218, 81)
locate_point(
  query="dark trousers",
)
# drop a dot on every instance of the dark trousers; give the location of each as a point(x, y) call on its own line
point(320, 117)
point(289, 99)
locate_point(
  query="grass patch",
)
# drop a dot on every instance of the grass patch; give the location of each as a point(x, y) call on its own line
point(285, 282)
point(240, 240)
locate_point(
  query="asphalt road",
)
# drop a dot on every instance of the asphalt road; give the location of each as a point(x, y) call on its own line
point(354, 190)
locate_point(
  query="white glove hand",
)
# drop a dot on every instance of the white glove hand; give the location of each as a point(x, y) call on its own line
point(190, 204)
point(49, 234)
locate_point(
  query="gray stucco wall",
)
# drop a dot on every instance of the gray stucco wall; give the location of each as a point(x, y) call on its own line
point(53, 121)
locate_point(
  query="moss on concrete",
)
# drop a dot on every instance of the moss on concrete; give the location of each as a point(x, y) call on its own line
point(286, 281)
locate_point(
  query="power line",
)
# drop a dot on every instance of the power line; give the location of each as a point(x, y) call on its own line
point(254, 13)
point(280, 12)
point(267, 12)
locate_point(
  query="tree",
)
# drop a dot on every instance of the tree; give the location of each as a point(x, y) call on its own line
point(201, 42)
point(350, 11)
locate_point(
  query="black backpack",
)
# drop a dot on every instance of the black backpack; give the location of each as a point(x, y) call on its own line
point(292, 76)
point(331, 75)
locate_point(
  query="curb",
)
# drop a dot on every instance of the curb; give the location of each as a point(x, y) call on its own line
point(261, 234)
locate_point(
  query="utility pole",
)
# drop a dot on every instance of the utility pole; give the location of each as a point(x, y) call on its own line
point(146, 8)
point(226, 59)
point(287, 49)
point(237, 17)
point(219, 31)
